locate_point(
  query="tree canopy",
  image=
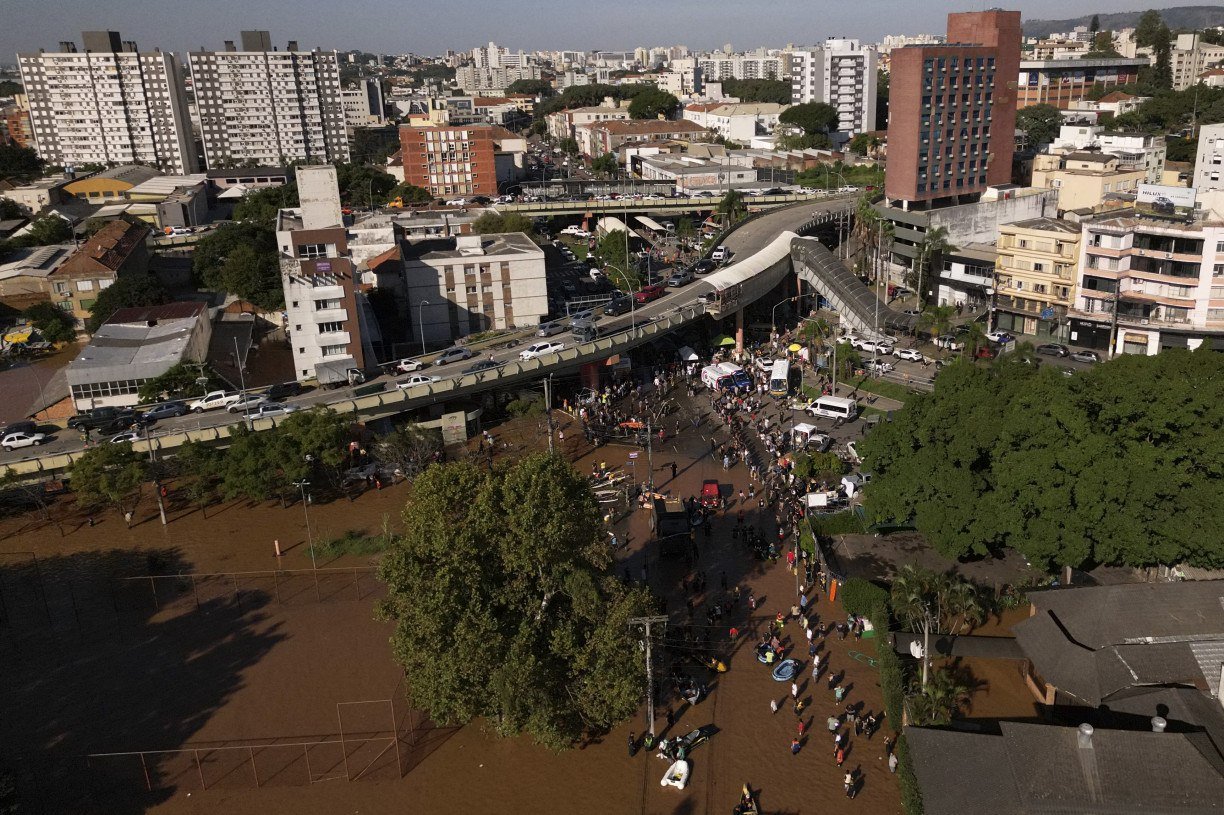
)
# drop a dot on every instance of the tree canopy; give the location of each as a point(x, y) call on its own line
point(533, 87)
point(1040, 122)
point(504, 607)
point(813, 117)
point(494, 223)
point(19, 163)
point(758, 90)
point(52, 322)
point(128, 290)
point(260, 206)
point(109, 474)
point(410, 194)
point(306, 444)
point(1120, 464)
point(651, 103)
point(241, 258)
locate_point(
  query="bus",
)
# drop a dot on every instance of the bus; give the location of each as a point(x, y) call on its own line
point(779, 378)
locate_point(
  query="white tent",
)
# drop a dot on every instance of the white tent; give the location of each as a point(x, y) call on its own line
point(688, 354)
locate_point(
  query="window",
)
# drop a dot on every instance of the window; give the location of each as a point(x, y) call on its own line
point(312, 250)
point(327, 328)
point(84, 285)
point(325, 304)
point(334, 350)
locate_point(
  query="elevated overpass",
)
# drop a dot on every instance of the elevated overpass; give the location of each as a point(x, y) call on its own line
point(663, 206)
point(766, 249)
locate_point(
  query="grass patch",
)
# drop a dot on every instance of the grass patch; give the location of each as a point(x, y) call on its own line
point(357, 542)
point(882, 387)
point(577, 245)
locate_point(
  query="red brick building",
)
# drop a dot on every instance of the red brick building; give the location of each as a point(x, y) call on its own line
point(451, 160)
point(16, 127)
point(952, 111)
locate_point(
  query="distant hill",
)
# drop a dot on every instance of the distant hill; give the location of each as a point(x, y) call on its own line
point(1179, 17)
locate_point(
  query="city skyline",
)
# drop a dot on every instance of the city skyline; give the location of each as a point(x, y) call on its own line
point(464, 24)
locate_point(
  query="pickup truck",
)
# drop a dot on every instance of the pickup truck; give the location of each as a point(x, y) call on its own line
point(215, 399)
point(104, 418)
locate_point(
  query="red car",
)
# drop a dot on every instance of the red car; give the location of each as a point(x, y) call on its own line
point(649, 293)
point(711, 496)
point(986, 352)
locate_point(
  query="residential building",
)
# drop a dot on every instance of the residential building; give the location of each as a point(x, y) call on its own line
point(1111, 105)
point(1035, 277)
point(25, 274)
point(452, 161)
point(364, 104)
point(572, 78)
point(1147, 283)
point(607, 137)
point(116, 249)
point(472, 283)
point(1209, 162)
point(224, 183)
point(963, 276)
point(1059, 48)
point(1213, 78)
point(174, 200)
point(755, 65)
point(1190, 57)
point(112, 184)
point(268, 107)
point(1062, 82)
point(952, 114)
point(332, 329)
point(15, 125)
point(133, 346)
point(1084, 179)
point(108, 104)
point(1134, 151)
point(38, 194)
point(492, 81)
point(843, 74)
point(497, 56)
point(682, 78)
point(740, 122)
point(691, 174)
point(564, 123)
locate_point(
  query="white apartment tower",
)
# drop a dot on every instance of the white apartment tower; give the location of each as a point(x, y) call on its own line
point(842, 73)
point(108, 104)
point(267, 106)
point(1209, 163)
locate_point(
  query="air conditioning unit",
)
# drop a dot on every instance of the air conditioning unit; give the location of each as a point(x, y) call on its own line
point(1143, 322)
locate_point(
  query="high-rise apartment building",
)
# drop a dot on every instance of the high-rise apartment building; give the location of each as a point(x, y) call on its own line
point(842, 73)
point(266, 106)
point(451, 161)
point(952, 111)
point(1209, 163)
point(108, 104)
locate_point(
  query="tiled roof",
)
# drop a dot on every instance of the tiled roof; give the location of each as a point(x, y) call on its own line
point(107, 250)
point(646, 127)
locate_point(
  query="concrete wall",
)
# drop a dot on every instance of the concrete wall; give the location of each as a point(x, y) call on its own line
point(979, 223)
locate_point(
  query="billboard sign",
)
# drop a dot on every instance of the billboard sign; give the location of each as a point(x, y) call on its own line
point(1162, 199)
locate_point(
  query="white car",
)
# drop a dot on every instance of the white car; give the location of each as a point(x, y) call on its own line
point(215, 399)
point(129, 436)
point(457, 202)
point(540, 349)
point(999, 337)
point(880, 367)
point(243, 404)
point(408, 366)
point(597, 275)
point(949, 342)
point(269, 409)
point(911, 354)
point(576, 231)
point(453, 355)
point(419, 379)
point(15, 440)
point(869, 346)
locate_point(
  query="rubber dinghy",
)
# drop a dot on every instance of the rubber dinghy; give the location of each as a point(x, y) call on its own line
point(677, 775)
point(786, 671)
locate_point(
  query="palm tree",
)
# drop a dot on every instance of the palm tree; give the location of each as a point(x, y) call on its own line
point(936, 320)
point(935, 242)
point(963, 605)
point(884, 236)
point(975, 338)
point(732, 206)
point(866, 221)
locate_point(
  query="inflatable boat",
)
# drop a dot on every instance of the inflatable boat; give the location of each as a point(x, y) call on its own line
point(677, 775)
point(787, 670)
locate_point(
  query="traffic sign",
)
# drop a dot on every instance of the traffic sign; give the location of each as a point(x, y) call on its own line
point(633, 455)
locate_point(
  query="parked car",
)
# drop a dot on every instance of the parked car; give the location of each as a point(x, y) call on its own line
point(283, 390)
point(597, 275)
point(166, 410)
point(585, 316)
point(540, 349)
point(550, 328)
point(483, 365)
point(649, 293)
point(949, 342)
point(213, 400)
point(1000, 337)
point(721, 254)
point(618, 305)
point(417, 379)
point(453, 355)
point(245, 403)
point(711, 494)
point(408, 366)
point(880, 367)
point(911, 354)
point(128, 436)
point(103, 418)
point(576, 231)
point(704, 266)
point(1085, 356)
point(1053, 349)
point(270, 409)
point(20, 427)
point(679, 279)
point(13, 441)
point(986, 352)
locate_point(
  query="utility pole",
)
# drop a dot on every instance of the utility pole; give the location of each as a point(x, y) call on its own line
point(548, 409)
point(650, 453)
point(647, 622)
point(246, 409)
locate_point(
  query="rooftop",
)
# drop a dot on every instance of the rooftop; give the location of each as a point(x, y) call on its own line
point(1047, 225)
point(1074, 63)
point(1095, 158)
point(129, 173)
point(139, 349)
point(107, 249)
point(167, 184)
point(470, 246)
point(247, 172)
point(40, 261)
point(646, 127)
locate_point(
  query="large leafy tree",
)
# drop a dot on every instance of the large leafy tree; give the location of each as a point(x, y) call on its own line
point(53, 323)
point(241, 258)
point(758, 90)
point(260, 206)
point(109, 474)
point(814, 117)
point(533, 87)
point(308, 444)
point(1040, 122)
point(1116, 465)
point(512, 563)
point(494, 223)
point(19, 163)
point(651, 103)
point(128, 291)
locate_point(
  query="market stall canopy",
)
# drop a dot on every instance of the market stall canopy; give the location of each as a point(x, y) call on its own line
point(794, 346)
point(724, 341)
point(687, 354)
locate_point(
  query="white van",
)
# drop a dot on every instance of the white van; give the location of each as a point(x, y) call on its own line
point(835, 407)
point(716, 379)
point(720, 254)
point(738, 375)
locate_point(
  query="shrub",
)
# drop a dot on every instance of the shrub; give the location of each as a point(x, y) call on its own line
point(839, 523)
point(866, 599)
point(911, 793)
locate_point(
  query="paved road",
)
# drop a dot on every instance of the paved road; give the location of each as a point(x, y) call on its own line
point(744, 242)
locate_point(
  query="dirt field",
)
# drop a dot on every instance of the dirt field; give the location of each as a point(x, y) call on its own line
point(101, 665)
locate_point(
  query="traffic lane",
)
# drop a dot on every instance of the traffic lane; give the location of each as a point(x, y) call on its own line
point(755, 235)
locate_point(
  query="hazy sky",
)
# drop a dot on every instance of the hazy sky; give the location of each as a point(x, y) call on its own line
point(432, 26)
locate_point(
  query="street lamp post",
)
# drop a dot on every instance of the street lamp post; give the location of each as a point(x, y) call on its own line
point(773, 319)
point(421, 322)
point(302, 485)
point(250, 423)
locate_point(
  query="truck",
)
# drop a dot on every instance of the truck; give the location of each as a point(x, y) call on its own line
point(339, 374)
point(106, 419)
point(669, 520)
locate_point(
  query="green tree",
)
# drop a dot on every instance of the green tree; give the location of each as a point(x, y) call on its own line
point(732, 206)
point(1010, 455)
point(605, 165)
point(128, 291)
point(198, 467)
point(512, 563)
point(1040, 122)
point(568, 146)
point(409, 449)
point(309, 444)
point(1102, 46)
point(1150, 29)
point(20, 163)
point(611, 252)
point(813, 117)
point(410, 194)
point(804, 141)
point(652, 103)
point(109, 474)
point(493, 223)
point(10, 210)
point(934, 244)
point(179, 383)
point(241, 258)
point(758, 90)
point(52, 322)
point(363, 185)
point(260, 206)
point(45, 231)
point(1095, 25)
point(10, 88)
point(936, 320)
point(532, 87)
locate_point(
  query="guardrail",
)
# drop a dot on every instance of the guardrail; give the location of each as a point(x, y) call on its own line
point(629, 204)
